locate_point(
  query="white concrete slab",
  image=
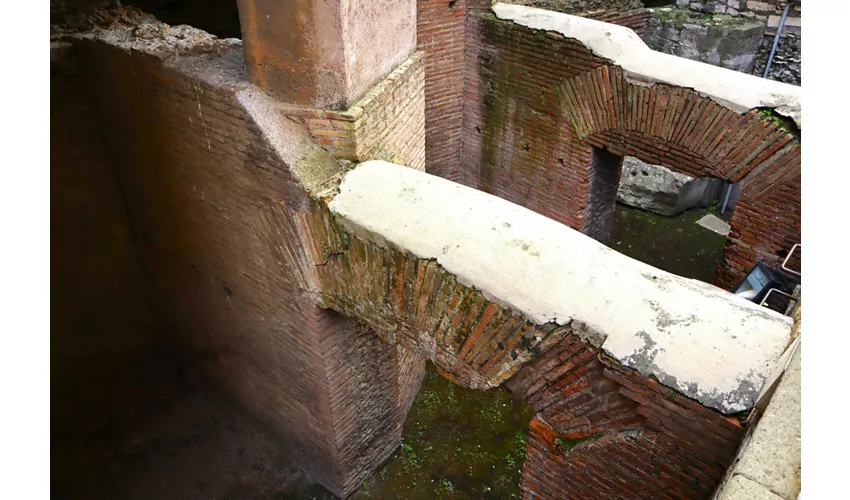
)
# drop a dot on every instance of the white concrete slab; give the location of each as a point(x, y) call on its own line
point(715, 223)
point(694, 337)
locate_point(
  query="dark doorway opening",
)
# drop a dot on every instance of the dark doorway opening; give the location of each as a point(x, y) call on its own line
point(661, 217)
point(604, 181)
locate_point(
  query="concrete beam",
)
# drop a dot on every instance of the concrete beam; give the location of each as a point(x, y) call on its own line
point(695, 338)
point(734, 90)
point(324, 53)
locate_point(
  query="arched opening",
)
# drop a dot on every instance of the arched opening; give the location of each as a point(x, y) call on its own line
point(664, 218)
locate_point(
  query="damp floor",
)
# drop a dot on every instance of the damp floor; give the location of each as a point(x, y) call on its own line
point(674, 244)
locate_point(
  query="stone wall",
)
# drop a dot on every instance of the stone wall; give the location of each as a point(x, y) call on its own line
point(582, 7)
point(629, 13)
point(216, 180)
point(769, 11)
point(722, 40)
point(536, 119)
point(104, 330)
point(786, 64)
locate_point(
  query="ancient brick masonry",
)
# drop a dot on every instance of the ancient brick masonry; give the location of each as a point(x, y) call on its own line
point(239, 255)
point(387, 122)
point(417, 304)
point(602, 430)
point(548, 100)
point(633, 437)
point(440, 32)
point(517, 145)
point(215, 211)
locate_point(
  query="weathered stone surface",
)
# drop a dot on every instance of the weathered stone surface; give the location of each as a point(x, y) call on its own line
point(714, 223)
point(741, 488)
point(699, 192)
point(721, 40)
point(650, 187)
point(786, 66)
point(772, 456)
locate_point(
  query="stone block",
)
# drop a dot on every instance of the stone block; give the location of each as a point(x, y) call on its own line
point(773, 21)
point(714, 223)
point(761, 7)
point(650, 187)
point(772, 457)
point(741, 488)
point(722, 39)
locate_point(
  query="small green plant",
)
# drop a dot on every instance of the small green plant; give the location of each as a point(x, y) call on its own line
point(447, 486)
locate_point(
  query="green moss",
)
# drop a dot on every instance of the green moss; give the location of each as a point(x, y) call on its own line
point(785, 123)
point(570, 444)
point(680, 17)
point(458, 444)
point(675, 244)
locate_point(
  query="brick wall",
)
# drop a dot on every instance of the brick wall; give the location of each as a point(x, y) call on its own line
point(216, 213)
point(636, 19)
point(417, 304)
point(104, 330)
point(440, 33)
point(603, 430)
point(517, 144)
point(537, 103)
point(389, 121)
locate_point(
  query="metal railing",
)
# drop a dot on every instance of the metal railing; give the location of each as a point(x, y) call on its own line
point(785, 262)
point(788, 270)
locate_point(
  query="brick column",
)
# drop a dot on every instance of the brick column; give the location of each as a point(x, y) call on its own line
point(324, 53)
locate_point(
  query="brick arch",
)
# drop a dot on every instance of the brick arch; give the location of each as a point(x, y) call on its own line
point(594, 416)
point(691, 132)
point(630, 433)
point(473, 340)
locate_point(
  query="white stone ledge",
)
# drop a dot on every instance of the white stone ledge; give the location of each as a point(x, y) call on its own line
point(771, 458)
point(696, 338)
point(737, 91)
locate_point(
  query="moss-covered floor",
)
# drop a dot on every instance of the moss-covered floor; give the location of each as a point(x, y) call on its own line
point(674, 244)
point(458, 443)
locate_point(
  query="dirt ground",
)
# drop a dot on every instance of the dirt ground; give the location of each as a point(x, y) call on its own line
point(184, 444)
